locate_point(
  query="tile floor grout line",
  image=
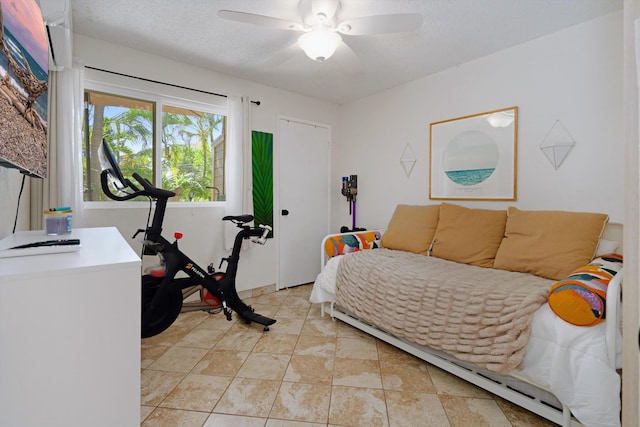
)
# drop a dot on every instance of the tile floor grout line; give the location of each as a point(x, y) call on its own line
point(310, 324)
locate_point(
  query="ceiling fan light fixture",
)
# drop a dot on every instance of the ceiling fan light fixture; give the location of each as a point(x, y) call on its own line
point(319, 44)
point(344, 28)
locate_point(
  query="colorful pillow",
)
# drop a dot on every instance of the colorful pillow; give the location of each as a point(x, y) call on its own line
point(469, 236)
point(581, 298)
point(341, 244)
point(411, 228)
point(549, 244)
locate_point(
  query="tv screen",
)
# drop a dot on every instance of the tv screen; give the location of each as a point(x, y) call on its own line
point(24, 67)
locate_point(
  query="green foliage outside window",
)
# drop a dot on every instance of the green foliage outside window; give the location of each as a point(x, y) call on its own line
point(189, 143)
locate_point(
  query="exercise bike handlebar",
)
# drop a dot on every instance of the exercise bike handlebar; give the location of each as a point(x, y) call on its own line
point(263, 238)
point(148, 189)
point(104, 181)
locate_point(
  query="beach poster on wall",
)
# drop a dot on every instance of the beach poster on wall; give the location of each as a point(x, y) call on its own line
point(474, 157)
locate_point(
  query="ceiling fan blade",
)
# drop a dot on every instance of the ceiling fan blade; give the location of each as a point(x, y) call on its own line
point(326, 7)
point(380, 24)
point(347, 59)
point(283, 55)
point(265, 21)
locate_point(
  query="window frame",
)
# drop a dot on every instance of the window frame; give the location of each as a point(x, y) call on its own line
point(159, 99)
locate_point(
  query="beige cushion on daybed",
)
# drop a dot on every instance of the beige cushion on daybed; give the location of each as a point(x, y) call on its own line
point(411, 228)
point(468, 236)
point(549, 244)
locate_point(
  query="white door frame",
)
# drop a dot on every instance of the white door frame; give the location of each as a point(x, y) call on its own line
point(276, 182)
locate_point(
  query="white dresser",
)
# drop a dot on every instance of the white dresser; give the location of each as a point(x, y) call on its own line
point(70, 333)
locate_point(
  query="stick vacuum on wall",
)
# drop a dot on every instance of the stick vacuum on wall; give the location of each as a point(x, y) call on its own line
point(350, 191)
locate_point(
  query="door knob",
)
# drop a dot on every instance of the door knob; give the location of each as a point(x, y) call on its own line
point(285, 212)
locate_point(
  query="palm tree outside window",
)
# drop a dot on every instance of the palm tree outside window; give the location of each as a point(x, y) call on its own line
point(185, 154)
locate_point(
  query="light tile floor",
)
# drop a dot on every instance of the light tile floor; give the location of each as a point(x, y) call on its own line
point(306, 371)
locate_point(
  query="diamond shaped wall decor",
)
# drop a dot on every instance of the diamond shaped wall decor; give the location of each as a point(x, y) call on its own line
point(408, 160)
point(557, 144)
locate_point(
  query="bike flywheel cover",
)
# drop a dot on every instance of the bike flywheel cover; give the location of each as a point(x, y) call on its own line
point(207, 297)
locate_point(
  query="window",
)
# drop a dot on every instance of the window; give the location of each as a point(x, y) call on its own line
point(178, 145)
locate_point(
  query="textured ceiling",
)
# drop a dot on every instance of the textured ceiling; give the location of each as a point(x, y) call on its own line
point(453, 32)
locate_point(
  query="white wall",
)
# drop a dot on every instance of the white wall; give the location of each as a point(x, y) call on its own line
point(574, 76)
point(631, 300)
point(202, 227)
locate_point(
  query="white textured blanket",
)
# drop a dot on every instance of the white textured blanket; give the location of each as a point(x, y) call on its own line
point(478, 315)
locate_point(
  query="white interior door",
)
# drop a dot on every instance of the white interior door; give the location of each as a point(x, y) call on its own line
point(302, 207)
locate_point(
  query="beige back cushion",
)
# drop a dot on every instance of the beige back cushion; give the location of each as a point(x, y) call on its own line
point(549, 244)
point(411, 228)
point(469, 236)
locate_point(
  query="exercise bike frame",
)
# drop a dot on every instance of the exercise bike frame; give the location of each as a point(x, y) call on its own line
point(175, 261)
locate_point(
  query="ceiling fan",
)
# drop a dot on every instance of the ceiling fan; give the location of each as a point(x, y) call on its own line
point(322, 28)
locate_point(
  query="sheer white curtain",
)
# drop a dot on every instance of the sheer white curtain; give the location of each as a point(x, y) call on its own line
point(63, 185)
point(239, 199)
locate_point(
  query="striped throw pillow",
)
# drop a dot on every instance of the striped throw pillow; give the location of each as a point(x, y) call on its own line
point(580, 299)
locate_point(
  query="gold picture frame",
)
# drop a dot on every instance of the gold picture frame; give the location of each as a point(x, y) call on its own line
point(474, 157)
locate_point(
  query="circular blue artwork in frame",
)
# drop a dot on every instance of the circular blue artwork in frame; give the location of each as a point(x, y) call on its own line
point(470, 158)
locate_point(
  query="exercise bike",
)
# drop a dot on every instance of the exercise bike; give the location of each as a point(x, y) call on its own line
point(163, 293)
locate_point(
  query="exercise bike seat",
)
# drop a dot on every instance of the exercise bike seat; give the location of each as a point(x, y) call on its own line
point(238, 219)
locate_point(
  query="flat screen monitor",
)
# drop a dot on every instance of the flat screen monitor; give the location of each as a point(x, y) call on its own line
point(24, 67)
point(109, 164)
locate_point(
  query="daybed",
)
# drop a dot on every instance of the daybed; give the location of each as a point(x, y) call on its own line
point(495, 297)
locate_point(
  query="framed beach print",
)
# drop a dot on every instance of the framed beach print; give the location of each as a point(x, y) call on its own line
point(474, 157)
